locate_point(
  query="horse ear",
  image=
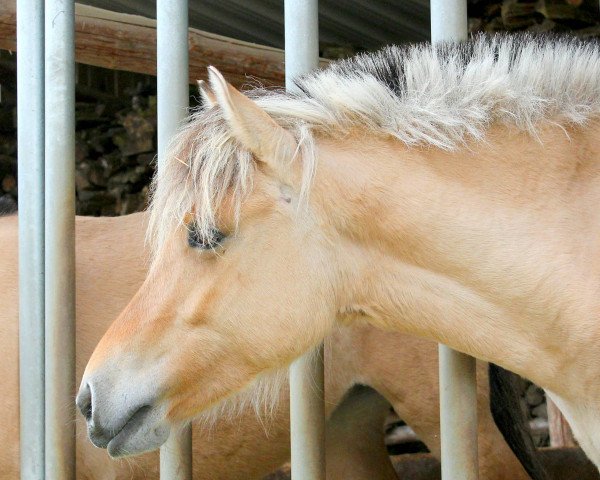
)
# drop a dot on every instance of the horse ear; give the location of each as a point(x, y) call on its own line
point(208, 97)
point(252, 126)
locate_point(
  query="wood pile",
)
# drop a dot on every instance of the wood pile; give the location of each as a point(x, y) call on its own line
point(8, 134)
point(579, 17)
point(115, 153)
point(114, 150)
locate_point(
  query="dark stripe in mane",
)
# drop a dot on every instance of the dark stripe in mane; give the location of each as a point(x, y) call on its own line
point(387, 65)
point(441, 96)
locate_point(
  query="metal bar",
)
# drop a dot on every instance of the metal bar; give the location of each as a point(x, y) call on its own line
point(173, 101)
point(458, 384)
point(172, 69)
point(307, 384)
point(458, 415)
point(30, 131)
point(301, 39)
point(448, 20)
point(60, 239)
point(307, 417)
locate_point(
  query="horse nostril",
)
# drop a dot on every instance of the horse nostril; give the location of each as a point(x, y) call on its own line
point(87, 413)
point(84, 402)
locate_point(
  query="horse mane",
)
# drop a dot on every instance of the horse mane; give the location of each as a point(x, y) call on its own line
point(433, 95)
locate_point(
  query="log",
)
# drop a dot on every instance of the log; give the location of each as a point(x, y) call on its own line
point(120, 41)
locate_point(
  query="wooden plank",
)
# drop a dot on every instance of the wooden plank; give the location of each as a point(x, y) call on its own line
point(128, 42)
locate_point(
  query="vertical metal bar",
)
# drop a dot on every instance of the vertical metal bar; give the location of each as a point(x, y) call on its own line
point(60, 239)
point(172, 69)
point(173, 102)
point(307, 408)
point(30, 130)
point(301, 39)
point(458, 415)
point(458, 385)
point(449, 20)
point(307, 417)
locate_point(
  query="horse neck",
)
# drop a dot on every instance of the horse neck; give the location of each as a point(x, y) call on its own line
point(491, 249)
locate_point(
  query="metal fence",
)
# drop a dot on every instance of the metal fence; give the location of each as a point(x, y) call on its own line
point(46, 126)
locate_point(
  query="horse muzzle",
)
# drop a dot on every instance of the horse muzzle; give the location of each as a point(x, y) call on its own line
point(124, 422)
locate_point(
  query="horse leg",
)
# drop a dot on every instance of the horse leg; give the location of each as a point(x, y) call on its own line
point(404, 370)
point(584, 419)
point(355, 438)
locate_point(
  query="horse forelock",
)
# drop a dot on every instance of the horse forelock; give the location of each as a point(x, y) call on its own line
point(204, 163)
point(442, 96)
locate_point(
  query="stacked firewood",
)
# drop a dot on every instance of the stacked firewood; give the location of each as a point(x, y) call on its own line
point(579, 17)
point(115, 145)
point(115, 154)
point(8, 174)
point(8, 134)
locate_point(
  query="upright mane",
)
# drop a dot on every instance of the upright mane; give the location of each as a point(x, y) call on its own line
point(420, 94)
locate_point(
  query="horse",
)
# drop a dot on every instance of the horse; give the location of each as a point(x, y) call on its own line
point(111, 266)
point(449, 192)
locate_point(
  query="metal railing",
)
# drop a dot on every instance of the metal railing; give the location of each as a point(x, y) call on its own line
point(46, 245)
point(59, 243)
point(172, 67)
point(30, 131)
point(307, 379)
point(46, 133)
point(458, 383)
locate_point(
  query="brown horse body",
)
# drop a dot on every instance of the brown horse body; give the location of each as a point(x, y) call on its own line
point(111, 265)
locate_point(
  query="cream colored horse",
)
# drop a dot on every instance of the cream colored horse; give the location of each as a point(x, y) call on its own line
point(447, 192)
point(450, 193)
point(111, 267)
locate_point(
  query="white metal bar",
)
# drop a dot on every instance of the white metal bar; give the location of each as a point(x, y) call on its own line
point(307, 417)
point(172, 69)
point(458, 384)
point(30, 131)
point(448, 20)
point(458, 415)
point(173, 101)
point(301, 39)
point(60, 239)
point(307, 407)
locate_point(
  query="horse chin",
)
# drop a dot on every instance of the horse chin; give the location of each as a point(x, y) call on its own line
point(146, 430)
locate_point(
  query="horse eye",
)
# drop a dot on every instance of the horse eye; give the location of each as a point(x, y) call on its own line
point(195, 240)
